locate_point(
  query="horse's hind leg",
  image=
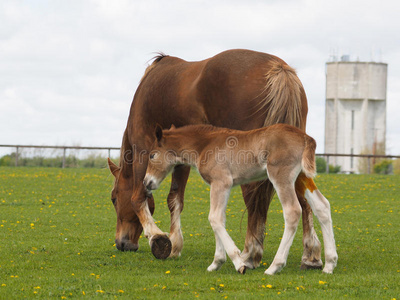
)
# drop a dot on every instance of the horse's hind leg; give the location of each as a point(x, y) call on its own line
point(175, 205)
point(257, 197)
point(311, 258)
point(320, 206)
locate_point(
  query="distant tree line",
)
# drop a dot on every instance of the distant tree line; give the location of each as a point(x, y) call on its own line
point(71, 161)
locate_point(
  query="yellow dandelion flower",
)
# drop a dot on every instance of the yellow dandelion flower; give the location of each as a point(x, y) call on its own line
point(221, 285)
point(167, 272)
point(321, 282)
point(213, 289)
point(269, 286)
point(121, 291)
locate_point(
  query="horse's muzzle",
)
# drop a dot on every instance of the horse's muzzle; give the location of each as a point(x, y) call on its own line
point(126, 245)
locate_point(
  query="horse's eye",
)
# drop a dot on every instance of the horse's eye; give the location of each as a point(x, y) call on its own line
point(152, 155)
point(113, 200)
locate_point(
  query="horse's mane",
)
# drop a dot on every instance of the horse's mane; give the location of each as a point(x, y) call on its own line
point(156, 59)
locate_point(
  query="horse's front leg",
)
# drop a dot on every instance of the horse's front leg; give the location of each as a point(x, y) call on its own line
point(219, 194)
point(159, 242)
point(175, 205)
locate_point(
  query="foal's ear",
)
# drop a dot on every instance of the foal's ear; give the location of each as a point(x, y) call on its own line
point(172, 127)
point(113, 168)
point(159, 133)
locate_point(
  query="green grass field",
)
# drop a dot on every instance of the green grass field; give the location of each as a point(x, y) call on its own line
point(57, 241)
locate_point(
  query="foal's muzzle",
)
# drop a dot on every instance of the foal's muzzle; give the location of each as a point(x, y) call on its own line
point(149, 185)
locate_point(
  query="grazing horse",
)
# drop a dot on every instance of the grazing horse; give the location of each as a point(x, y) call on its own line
point(238, 89)
point(226, 157)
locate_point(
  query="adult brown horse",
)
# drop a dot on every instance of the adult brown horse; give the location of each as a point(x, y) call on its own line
point(237, 89)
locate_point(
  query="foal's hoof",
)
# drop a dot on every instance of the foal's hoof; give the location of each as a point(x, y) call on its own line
point(160, 246)
point(242, 270)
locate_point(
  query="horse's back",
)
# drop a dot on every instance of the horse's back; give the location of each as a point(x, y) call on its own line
point(225, 90)
point(232, 85)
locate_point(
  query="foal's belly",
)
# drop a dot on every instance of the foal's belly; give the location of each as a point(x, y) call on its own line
point(249, 175)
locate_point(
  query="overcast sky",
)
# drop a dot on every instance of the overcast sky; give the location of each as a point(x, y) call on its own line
point(69, 69)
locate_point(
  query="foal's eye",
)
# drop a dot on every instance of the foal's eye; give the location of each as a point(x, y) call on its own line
point(152, 155)
point(113, 200)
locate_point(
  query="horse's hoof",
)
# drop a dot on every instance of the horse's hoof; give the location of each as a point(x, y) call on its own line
point(160, 246)
point(305, 266)
point(242, 270)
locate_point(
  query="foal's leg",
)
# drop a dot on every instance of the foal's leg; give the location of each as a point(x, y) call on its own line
point(175, 205)
point(292, 213)
point(219, 256)
point(320, 206)
point(219, 192)
point(311, 258)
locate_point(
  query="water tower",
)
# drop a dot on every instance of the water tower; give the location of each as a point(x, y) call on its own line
point(355, 117)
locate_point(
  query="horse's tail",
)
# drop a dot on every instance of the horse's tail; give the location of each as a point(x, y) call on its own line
point(284, 94)
point(284, 101)
point(308, 160)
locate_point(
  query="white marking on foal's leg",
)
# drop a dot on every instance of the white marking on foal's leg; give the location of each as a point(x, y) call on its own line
point(219, 256)
point(218, 202)
point(292, 213)
point(321, 208)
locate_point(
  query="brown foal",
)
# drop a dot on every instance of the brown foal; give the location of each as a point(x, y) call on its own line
point(226, 157)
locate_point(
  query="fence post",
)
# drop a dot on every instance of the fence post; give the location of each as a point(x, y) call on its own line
point(63, 163)
point(109, 153)
point(369, 164)
point(16, 157)
point(327, 164)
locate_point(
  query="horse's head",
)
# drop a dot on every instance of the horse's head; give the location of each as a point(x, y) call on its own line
point(128, 225)
point(162, 160)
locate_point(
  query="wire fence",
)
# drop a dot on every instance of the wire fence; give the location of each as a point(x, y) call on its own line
point(39, 150)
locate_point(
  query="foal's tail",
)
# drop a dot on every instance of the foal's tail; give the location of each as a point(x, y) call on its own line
point(308, 160)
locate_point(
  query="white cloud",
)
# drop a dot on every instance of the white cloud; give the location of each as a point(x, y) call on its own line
point(69, 69)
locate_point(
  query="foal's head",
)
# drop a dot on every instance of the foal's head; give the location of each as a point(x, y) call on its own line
point(162, 160)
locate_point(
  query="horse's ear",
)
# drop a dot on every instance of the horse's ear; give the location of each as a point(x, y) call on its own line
point(159, 133)
point(113, 168)
point(172, 127)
